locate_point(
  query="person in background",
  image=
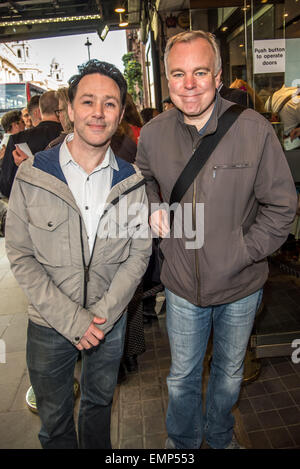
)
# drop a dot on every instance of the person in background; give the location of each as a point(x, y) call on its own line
point(12, 123)
point(34, 110)
point(235, 95)
point(63, 116)
point(167, 104)
point(37, 138)
point(247, 196)
point(258, 104)
point(133, 119)
point(148, 113)
point(123, 143)
point(285, 104)
point(295, 133)
point(26, 118)
point(78, 273)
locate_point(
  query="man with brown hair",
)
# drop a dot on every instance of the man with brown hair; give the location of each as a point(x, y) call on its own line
point(78, 272)
point(37, 138)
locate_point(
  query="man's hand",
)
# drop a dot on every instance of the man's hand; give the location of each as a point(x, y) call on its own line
point(19, 156)
point(92, 336)
point(159, 223)
point(295, 133)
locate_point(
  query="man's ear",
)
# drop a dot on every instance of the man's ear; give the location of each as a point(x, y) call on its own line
point(14, 127)
point(218, 78)
point(38, 113)
point(70, 112)
point(121, 115)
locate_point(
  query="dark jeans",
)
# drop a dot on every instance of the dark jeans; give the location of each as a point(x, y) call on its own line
point(51, 360)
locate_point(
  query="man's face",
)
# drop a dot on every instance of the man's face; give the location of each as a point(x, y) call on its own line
point(61, 114)
point(192, 83)
point(26, 118)
point(17, 126)
point(96, 109)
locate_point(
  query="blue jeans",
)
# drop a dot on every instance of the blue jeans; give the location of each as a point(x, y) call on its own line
point(189, 328)
point(51, 360)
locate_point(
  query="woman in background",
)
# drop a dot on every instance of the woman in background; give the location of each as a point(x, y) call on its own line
point(242, 85)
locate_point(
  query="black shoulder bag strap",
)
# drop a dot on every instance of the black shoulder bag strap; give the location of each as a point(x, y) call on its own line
point(203, 152)
point(198, 160)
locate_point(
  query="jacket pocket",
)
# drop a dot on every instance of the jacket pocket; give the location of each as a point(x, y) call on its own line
point(226, 262)
point(116, 244)
point(49, 231)
point(234, 166)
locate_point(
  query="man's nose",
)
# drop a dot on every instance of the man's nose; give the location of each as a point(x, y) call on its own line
point(189, 81)
point(98, 110)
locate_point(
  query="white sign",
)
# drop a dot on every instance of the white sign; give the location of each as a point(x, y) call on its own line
point(269, 56)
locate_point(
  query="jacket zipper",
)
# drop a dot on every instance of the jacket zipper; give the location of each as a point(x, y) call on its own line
point(229, 166)
point(86, 267)
point(194, 228)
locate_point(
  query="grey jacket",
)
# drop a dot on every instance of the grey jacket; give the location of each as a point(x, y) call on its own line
point(249, 202)
point(48, 249)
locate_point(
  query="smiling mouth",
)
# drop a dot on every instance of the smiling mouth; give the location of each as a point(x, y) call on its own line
point(97, 126)
point(190, 97)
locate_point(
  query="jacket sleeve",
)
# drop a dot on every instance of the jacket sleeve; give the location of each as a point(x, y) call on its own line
point(276, 193)
point(42, 293)
point(8, 169)
point(143, 162)
point(129, 274)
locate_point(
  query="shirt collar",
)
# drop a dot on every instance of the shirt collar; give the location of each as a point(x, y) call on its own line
point(66, 158)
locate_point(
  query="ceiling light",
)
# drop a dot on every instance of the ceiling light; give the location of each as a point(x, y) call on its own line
point(50, 20)
point(123, 23)
point(120, 8)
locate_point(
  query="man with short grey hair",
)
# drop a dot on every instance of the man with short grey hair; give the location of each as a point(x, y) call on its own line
point(248, 202)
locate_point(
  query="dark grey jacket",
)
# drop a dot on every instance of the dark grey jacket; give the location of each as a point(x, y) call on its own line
point(249, 202)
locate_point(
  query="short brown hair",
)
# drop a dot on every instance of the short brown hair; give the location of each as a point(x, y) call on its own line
point(9, 118)
point(48, 102)
point(33, 104)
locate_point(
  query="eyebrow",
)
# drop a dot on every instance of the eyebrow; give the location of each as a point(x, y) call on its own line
point(195, 69)
point(91, 95)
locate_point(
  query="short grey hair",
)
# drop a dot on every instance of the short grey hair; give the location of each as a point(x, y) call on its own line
point(188, 36)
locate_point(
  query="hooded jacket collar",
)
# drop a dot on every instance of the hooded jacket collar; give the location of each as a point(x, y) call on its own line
point(48, 161)
point(51, 178)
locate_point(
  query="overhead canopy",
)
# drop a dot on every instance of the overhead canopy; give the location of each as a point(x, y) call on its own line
point(32, 19)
